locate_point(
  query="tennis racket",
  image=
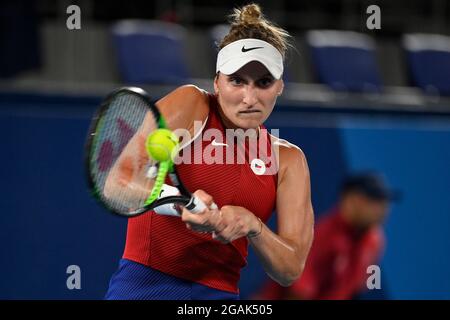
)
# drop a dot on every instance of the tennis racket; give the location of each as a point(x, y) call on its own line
point(121, 173)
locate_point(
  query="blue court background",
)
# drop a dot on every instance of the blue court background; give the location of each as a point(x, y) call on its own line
point(49, 221)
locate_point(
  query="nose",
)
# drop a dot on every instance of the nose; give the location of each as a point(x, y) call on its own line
point(250, 95)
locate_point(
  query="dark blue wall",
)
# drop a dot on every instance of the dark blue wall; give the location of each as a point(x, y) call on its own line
point(49, 221)
point(415, 156)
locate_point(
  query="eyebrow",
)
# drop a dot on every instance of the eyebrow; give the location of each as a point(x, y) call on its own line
point(268, 74)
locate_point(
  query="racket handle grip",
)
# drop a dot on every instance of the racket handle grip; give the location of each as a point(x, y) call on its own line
point(169, 209)
point(196, 205)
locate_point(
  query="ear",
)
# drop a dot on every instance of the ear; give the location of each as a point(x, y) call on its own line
point(216, 86)
point(280, 92)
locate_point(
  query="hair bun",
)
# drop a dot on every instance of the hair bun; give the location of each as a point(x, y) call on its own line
point(250, 14)
point(249, 22)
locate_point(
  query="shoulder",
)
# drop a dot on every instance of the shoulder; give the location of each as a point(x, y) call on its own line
point(191, 91)
point(287, 149)
point(375, 238)
point(326, 225)
point(289, 156)
point(184, 105)
point(185, 96)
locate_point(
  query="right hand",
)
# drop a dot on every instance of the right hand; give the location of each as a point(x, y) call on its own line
point(209, 220)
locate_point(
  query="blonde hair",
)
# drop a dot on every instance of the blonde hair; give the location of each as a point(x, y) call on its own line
point(249, 22)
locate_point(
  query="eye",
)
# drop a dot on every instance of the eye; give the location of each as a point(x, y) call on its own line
point(235, 80)
point(265, 82)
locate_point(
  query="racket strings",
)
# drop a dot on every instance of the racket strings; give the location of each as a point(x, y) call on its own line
point(125, 188)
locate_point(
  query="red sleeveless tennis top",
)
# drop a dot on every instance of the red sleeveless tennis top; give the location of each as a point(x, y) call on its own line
point(164, 243)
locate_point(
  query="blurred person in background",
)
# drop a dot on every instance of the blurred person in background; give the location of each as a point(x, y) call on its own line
point(348, 239)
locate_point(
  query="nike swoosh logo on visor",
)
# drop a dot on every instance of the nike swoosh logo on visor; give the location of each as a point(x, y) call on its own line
point(249, 49)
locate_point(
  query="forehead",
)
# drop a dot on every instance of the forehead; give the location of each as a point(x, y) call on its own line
point(253, 69)
point(374, 201)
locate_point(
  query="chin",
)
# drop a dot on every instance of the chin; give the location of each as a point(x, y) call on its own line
point(248, 124)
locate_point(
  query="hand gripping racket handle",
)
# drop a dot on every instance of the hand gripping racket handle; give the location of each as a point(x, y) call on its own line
point(196, 205)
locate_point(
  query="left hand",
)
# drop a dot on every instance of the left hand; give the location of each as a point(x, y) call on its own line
point(226, 225)
point(237, 222)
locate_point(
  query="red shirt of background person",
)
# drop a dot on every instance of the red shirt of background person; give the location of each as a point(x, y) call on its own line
point(347, 241)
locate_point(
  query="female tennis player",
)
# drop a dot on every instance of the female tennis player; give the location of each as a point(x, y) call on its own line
point(200, 255)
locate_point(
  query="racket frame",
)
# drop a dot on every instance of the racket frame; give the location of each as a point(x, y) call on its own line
point(186, 199)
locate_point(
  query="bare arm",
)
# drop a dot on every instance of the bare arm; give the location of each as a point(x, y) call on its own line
point(284, 254)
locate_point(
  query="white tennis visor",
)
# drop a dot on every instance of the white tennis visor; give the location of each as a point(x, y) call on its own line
point(237, 54)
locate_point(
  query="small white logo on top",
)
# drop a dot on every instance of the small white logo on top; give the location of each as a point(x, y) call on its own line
point(218, 144)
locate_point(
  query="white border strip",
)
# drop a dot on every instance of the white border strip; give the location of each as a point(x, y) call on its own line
point(423, 41)
point(334, 38)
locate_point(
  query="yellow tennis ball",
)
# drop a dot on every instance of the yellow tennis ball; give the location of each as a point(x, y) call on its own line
point(162, 144)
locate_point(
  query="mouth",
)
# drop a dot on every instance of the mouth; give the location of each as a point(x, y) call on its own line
point(249, 111)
